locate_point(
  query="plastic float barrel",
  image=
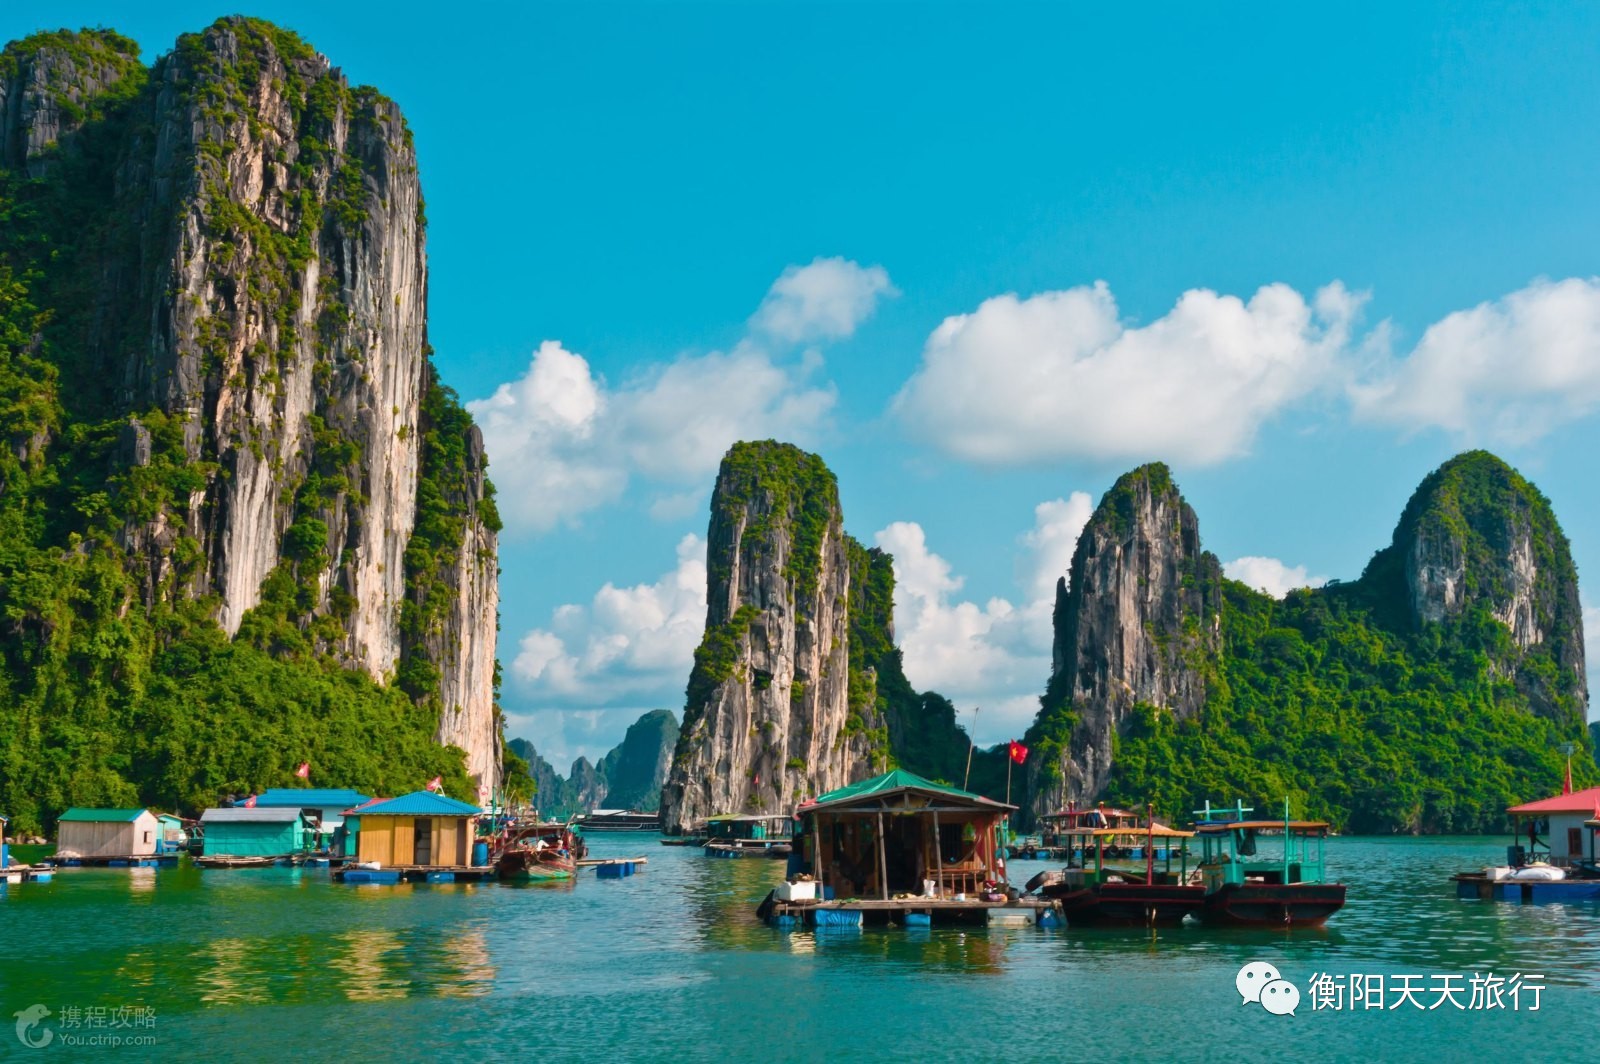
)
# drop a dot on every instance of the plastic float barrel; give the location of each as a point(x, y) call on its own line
point(919, 919)
point(837, 917)
point(5, 855)
point(480, 853)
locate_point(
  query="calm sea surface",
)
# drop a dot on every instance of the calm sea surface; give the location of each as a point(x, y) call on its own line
point(672, 964)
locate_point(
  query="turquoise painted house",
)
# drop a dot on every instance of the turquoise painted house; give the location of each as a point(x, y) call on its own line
point(241, 832)
point(322, 807)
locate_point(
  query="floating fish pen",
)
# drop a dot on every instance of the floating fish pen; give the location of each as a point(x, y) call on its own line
point(899, 849)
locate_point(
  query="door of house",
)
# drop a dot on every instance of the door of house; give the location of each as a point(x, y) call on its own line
point(1575, 843)
point(423, 847)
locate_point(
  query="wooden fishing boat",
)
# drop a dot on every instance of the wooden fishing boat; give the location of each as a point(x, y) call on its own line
point(1096, 893)
point(1285, 889)
point(532, 853)
point(228, 860)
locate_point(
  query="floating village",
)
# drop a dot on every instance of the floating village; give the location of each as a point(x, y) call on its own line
point(892, 850)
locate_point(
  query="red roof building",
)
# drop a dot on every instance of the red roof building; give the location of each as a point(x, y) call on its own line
point(1586, 801)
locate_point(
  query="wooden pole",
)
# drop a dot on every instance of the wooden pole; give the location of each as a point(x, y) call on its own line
point(972, 742)
point(1149, 844)
point(938, 858)
point(883, 861)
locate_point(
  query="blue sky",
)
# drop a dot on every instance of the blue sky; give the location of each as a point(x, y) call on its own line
point(655, 228)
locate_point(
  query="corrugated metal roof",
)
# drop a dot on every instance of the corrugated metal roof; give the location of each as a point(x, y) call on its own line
point(901, 780)
point(1584, 801)
point(101, 816)
point(240, 815)
point(421, 803)
point(314, 797)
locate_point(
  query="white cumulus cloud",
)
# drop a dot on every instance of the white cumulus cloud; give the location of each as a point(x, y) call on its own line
point(563, 441)
point(1062, 375)
point(1270, 575)
point(1506, 371)
point(825, 300)
point(996, 654)
point(628, 646)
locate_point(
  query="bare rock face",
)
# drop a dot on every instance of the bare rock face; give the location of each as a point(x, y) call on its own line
point(776, 709)
point(1477, 536)
point(260, 320)
point(1133, 625)
point(48, 87)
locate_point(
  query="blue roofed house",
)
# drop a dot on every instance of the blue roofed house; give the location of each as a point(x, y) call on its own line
point(420, 829)
point(323, 808)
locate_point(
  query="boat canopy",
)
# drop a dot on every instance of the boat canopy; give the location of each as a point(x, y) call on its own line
point(1217, 827)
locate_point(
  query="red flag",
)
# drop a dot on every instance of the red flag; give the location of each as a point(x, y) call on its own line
point(1566, 788)
point(436, 784)
point(250, 802)
point(1018, 752)
point(304, 771)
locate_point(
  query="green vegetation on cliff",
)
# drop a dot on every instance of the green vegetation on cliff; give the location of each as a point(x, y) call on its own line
point(1346, 700)
point(108, 695)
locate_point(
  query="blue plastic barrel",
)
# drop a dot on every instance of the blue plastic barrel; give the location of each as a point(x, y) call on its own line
point(5, 855)
point(480, 854)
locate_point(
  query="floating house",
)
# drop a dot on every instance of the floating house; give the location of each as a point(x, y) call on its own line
point(323, 808)
point(120, 837)
point(420, 835)
point(1554, 854)
point(172, 836)
point(732, 835)
point(242, 832)
point(900, 847)
point(1565, 834)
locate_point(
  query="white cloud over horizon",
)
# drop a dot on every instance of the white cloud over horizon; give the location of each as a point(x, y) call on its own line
point(995, 655)
point(1508, 370)
point(562, 441)
point(1061, 375)
point(1270, 575)
point(627, 645)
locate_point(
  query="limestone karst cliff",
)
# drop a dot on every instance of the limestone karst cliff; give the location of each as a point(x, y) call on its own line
point(1427, 695)
point(1140, 608)
point(1476, 536)
point(219, 358)
point(777, 709)
point(629, 776)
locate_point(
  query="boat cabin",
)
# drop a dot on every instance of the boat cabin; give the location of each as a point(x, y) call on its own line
point(1231, 851)
point(901, 834)
point(1069, 826)
point(1557, 830)
point(417, 830)
point(748, 828)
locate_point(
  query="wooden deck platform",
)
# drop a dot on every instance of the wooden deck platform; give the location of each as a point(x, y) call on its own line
point(912, 912)
point(351, 873)
point(143, 860)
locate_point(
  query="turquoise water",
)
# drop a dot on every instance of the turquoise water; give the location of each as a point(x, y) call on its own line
point(672, 963)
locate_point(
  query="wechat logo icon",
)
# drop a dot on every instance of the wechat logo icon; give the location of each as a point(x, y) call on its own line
point(27, 1020)
point(1260, 983)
